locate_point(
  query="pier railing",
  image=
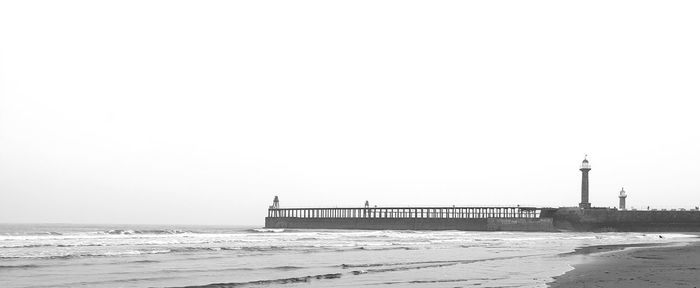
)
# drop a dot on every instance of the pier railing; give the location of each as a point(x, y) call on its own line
point(407, 212)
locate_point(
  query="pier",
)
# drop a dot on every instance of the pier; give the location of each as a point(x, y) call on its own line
point(410, 218)
point(406, 212)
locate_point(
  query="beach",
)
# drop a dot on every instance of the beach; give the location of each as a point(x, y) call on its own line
point(676, 265)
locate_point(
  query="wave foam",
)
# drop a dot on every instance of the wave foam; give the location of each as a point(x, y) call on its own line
point(302, 279)
point(265, 230)
point(140, 232)
point(2, 267)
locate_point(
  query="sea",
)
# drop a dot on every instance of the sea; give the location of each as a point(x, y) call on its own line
point(63, 255)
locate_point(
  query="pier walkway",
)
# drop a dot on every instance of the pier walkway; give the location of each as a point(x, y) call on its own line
point(407, 212)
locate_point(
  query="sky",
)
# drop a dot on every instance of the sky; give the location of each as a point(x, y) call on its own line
point(200, 112)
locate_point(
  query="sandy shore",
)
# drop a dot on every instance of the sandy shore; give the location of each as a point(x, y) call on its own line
point(658, 266)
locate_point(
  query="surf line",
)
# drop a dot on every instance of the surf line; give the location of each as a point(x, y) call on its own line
point(402, 267)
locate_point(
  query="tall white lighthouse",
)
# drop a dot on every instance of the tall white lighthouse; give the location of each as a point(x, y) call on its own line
point(585, 167)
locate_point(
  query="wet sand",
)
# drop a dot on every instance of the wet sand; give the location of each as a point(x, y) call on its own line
point(656, 266)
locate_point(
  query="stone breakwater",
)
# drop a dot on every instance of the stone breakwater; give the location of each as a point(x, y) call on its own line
point(487, 219)
point(612, 220)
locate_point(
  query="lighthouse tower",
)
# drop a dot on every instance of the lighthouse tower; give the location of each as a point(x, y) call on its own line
point(623, 197)
point(585, 167)
point(275, 203)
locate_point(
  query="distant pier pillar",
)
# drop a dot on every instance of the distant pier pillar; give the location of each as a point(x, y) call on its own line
point(623, 197)
point(585, 168)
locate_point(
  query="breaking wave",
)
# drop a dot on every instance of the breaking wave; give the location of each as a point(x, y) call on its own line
point(142, 232)
point(26, 246)
point(386, 248)
point(44, 233)
point(83, 255)
point(143, 261)
point(303, 279)
point(466, 261)
point(3, 267)
point(442, 281)
point(156, 251)
point(56, 245)
point(265, 230)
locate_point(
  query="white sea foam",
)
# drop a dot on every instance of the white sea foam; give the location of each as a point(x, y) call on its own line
point(264, 230)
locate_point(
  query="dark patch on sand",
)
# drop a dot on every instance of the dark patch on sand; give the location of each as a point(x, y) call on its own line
point(653, 266)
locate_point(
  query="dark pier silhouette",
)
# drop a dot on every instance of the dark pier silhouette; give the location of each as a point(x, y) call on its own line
point(407, 212)
point(413, 218)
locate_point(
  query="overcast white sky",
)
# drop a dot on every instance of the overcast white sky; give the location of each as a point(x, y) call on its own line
point(201, 111)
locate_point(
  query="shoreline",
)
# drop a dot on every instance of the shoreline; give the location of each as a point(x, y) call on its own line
point(634, 265)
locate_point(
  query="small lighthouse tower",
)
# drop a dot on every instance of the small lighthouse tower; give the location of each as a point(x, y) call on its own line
point(623, 197)
point(585, 167)
point(275, 203)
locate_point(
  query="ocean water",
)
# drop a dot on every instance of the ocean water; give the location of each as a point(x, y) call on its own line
point(179, 256)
